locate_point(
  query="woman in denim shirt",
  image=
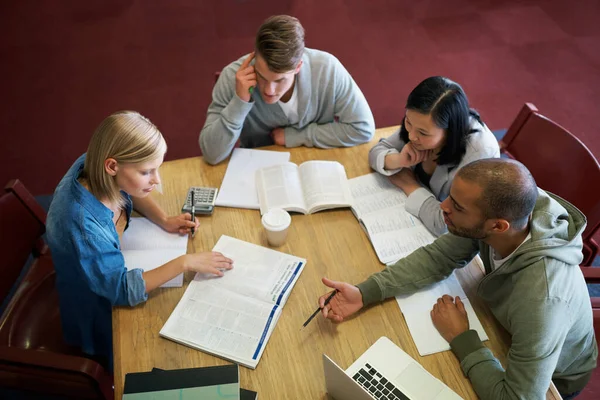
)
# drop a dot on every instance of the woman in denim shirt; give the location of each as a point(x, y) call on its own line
point(90, 210)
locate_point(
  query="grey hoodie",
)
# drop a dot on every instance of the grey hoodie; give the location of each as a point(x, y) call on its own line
point(538, 295)
point(333, 111)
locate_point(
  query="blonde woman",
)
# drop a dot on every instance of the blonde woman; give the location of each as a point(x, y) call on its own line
point(91, 208)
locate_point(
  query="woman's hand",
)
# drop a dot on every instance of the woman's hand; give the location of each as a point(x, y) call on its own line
point(407, 157)
point(405, 180)
point(210, 262)
point(181, 224)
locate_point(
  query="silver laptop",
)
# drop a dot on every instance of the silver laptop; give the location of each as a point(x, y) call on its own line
point(384, 372)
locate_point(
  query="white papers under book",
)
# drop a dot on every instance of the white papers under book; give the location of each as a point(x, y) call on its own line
point(147, 246)
point(313, 186)
point(416, 309)
point(234, 316)
point(379, 206)
point(238, 188)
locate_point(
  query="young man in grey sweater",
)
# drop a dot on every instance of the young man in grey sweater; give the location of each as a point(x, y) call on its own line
point(530, 243)
point(286, 94)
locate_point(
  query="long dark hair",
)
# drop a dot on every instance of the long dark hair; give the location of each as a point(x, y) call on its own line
point(448, 106)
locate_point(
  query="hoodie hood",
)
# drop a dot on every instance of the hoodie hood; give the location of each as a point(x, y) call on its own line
point(555, 227)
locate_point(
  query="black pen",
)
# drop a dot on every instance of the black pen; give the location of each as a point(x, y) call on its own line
point(327, 300)
point(193, 214)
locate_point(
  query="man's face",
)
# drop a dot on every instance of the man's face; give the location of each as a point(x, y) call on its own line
point(273, 85)
point(462, 213)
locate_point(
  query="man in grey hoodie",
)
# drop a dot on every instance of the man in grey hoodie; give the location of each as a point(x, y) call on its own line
point(530, 243)
point(286, 94)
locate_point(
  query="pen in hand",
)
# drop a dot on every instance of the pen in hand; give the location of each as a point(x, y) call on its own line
point(319, 308)
point(193, 214)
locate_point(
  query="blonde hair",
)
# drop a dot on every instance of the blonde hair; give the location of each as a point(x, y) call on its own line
point(280, 41)
point(129, 138)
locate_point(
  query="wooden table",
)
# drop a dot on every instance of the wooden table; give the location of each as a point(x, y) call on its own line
point(335, 246)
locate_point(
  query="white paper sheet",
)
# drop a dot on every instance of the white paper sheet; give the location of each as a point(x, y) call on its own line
point(145, 245)
point(416, 309)
point(238, 188)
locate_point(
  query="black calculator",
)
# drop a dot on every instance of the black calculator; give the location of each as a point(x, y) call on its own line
point(204, 199)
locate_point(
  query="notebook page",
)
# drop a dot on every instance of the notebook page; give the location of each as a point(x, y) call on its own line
point(416, 309)
point(147, 246)
point(143, 234)
point(148, 260)
point(238, 188)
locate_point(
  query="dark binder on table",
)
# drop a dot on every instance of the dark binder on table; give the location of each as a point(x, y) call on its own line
point(209, 382)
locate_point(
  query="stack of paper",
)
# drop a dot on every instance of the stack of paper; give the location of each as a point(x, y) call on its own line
point(234, 316)
point(145, 245)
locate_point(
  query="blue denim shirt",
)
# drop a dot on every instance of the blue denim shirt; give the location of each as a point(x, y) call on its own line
point(90, 270)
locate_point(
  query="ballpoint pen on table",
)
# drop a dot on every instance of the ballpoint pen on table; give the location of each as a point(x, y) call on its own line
point(327, 300)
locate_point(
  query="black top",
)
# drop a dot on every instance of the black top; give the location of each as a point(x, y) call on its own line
point(422, 176)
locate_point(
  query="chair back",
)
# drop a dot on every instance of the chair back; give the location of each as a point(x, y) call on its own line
point(560, 163)
point(22, 224)
point(33, 354)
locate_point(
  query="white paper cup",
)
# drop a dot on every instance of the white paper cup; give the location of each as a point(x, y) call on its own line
point(276, 223)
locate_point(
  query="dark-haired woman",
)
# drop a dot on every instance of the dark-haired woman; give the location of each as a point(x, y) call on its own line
point(439, 134)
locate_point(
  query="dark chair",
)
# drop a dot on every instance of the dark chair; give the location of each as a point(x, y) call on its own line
point(561, 164)
point(33, 355)
point(592, 390)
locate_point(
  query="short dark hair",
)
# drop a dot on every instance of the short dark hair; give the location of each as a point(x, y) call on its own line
point(508, 189)
point(280, 41)
point(447, 103)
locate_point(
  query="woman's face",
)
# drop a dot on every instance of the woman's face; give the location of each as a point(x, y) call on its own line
point(423, 133)
point(139, 179)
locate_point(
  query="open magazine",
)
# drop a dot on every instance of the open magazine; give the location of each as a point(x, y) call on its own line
point(233, 316)
point(313, 186)
point(380, 208)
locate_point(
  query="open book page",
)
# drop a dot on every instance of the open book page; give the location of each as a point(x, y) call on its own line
point(380, 208)
point(395, 233)
point(147, 246)
point(374, 192)
point(416, 308)
point(279, 186)
point(238, 188)
point(325, 185)
point(257, 272)
point(213, 316)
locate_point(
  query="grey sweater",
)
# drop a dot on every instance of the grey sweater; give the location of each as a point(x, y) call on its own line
point(332, 111)
point(423, 203)
point(538, 295)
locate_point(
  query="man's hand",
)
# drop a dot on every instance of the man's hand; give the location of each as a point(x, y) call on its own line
point(245, 78)
point(450, 318)
point(278, 135)
point(346, 301)
point(405, 180)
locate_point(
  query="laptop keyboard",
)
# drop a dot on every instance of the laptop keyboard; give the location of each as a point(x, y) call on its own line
point(377, 385)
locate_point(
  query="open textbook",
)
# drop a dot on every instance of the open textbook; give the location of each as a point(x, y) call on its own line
point(233, 316)
point(379, 206)
point(313, 186)
point(147, 246)
point(238, 188)
point(416, 309)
